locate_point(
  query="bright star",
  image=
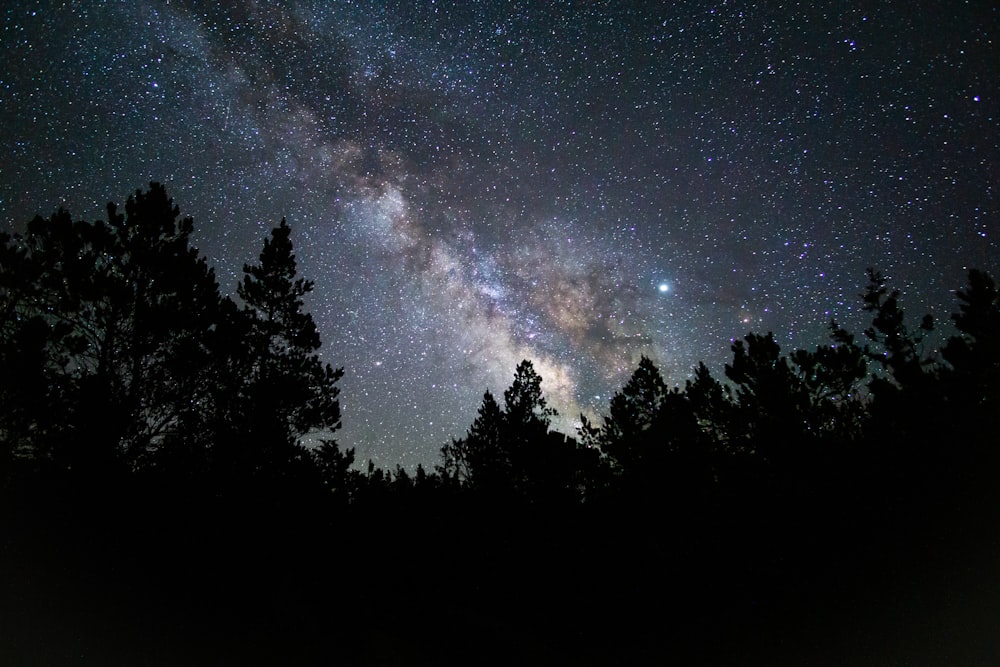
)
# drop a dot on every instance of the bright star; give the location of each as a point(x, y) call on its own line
point(664, 288)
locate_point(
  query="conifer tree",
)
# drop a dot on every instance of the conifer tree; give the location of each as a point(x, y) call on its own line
point(480, 460)
point(771, 401)
point(121, 313)
point(288, 392)
point(632, 413)
point(973, 379)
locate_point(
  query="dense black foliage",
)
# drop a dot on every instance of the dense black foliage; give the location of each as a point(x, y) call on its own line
point(134, 362)
point(168, 466)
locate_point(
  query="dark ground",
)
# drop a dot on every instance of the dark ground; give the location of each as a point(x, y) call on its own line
point(103, 582)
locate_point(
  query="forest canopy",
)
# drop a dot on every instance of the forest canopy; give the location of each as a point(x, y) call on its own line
point(120, 328)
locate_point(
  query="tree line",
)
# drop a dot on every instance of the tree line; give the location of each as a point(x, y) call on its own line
point(119, 354)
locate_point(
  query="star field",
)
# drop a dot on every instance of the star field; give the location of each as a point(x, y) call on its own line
point(578, 183)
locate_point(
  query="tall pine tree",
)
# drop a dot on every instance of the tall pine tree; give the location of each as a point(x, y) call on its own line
point(287, 392)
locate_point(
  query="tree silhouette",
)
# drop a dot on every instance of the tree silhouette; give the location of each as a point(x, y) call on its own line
point(909, 414)
point(166, 299)
point(481, 460)
point(632, 413)
point(659, 448)
point(526, 408)
point(900, 353)
point(545, 466)
point(973, 380)
point(122, 311)
point(120, 328)
point(32, 383)
point(284, 390)
point(335, 469)
point(510, 453)
point(771, 399)
point(832, 376)
point(713, 408)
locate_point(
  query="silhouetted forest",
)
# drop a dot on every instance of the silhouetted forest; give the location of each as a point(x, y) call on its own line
point(172, 492)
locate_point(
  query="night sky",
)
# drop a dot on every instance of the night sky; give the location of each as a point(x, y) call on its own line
point(577, 183)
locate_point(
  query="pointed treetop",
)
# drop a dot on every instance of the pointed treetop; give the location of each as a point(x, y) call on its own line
point(524, 401)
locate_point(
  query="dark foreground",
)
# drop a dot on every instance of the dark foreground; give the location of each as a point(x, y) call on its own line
point(146, 576)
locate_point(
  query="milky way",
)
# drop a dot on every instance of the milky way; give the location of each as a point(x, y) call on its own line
point(577, 183)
